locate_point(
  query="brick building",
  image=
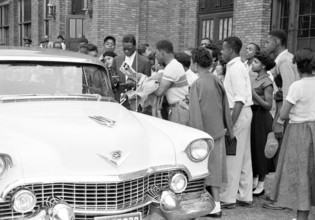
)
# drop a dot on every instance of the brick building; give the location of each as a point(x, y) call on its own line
point(184, 22)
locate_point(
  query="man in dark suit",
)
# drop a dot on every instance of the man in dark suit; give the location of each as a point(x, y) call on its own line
point(139, 63)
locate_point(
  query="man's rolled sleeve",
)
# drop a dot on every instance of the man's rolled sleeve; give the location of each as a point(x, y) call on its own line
point(287, 71)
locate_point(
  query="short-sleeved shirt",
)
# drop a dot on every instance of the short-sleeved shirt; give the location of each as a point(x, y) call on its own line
point(174, 72)
point(237, 83)
point(301, 95)
point(259, 84)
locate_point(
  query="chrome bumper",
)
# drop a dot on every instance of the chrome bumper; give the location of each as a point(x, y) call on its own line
point(187, 208)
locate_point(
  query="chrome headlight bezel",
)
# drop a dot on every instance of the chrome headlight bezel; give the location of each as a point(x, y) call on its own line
point(20, 193)
point(193, 146)
point(7, 162)
point(175, 177)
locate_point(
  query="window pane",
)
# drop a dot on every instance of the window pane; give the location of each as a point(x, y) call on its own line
point(72, 28)
point(220, 29)
point(79, 28)
point(305, 7)
point(203, 29)
point(303, 33)
point(230, 26)
point(211, 31)
point(208, 28)
point(225, 27)
point(304, 22)
point(27, 10)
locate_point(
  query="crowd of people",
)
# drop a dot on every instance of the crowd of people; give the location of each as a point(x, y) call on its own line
point(212, 89)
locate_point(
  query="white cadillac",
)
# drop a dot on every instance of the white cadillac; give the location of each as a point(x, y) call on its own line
point(69, 151)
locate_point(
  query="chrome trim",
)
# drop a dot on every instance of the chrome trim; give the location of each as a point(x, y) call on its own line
point(8, 162)
point(109, 179)
point(103, 121)
point(188, 149)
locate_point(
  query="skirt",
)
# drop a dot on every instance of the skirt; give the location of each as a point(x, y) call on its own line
point(260, 127)
point(217, 164)
point(294, 184)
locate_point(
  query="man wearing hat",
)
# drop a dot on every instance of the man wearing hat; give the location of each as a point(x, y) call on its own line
point(27, 42)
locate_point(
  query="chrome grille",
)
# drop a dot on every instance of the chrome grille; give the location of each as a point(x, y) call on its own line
point(99, 196)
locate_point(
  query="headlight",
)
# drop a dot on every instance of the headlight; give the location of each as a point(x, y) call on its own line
point(198, 150)
point(23, 201)
point(178, 183)
point(5, 163)
point(3, 166)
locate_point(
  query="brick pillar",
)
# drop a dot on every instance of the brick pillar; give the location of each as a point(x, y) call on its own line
point(251, 20)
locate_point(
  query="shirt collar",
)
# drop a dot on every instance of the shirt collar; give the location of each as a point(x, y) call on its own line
point(280, 55)
point(234, 60)
point(132, 56)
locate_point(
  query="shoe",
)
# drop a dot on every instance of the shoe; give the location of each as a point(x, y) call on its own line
point(225, 205)
point(272, 206)
point(244, 203)
point(259, 194)
point(214, 215)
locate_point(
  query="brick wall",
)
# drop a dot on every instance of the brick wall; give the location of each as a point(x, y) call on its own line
point(251, 21)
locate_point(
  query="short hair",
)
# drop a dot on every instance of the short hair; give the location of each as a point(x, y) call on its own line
point(256, 46)
point(201, 56)
point(83, 49)
point(110, 38)
point(266, 60)
point(129, 38)
point(60, 36)
point(141, 49)
point(110, 54)
point(215, 50)
point(152, 56)
point(280, 34)
point(207, 38)
point(83, 40)
point(305, 60)
point(165, 45)
point(234, 43)
point(183, 58)
point(92, 47)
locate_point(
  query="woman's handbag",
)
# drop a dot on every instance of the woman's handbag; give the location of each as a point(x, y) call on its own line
point(230, 145)
point(271, 146)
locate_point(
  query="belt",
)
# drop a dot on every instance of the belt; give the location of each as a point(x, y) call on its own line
point(257, 107)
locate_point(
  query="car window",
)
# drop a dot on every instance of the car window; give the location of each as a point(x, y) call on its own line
point(20, 78)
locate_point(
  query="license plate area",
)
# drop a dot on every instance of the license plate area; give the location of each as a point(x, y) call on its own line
point(129, 216)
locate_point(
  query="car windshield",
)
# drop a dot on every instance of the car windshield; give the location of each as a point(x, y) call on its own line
point(20, 78)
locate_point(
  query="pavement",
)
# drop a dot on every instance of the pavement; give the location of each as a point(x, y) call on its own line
point(257, 212)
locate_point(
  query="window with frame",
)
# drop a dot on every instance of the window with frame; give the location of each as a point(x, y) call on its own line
point(25, 19)
point(77, 7)
point(4, 24)
point(306, 24)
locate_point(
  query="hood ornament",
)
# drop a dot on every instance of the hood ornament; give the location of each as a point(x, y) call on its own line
point(115, 158)
point(103, 121)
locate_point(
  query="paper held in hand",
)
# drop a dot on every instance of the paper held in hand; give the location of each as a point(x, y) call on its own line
point(128, 71)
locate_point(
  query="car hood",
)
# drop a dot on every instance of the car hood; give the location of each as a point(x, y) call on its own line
point(59, 140)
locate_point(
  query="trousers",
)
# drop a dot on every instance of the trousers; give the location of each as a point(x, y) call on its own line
point(239, 167)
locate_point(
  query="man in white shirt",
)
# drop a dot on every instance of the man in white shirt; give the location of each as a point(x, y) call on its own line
point(184, 59)
point(238, 88)
point(173, 83)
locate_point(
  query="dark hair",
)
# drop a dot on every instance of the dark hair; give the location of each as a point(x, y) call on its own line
point(234, 43)
point(110, 38)
point(129, 38)
point(141, 49)
point(60, 36)
point(201, 56)
point(83, 49)
point(165, 45)
point(207, 38)
point(92, 47)
point(215, 50)
point(281, 35)
point(266, 60)
point(183, 58)
point(256, 46)
point(152, 56)
point(83, 40)
point(110, 54)
point(305, 60)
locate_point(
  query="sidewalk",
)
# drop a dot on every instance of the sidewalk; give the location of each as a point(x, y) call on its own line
point(257, 212)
